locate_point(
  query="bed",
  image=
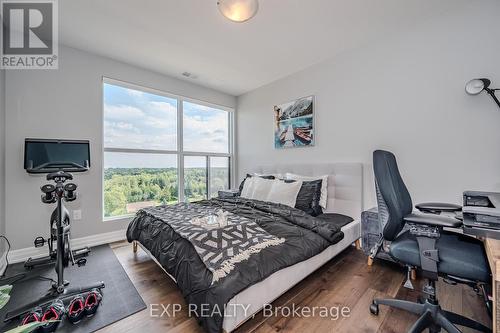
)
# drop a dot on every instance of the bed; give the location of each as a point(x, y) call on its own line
point(253, 283)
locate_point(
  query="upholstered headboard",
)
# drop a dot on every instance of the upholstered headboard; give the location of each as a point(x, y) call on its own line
point(345, 183)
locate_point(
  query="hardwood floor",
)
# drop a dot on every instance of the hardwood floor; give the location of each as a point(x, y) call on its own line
point(345, 281)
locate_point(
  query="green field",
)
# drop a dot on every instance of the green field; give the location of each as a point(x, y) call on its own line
point(128, 189)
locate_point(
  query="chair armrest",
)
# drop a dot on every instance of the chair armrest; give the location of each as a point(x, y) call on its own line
point(433, 220)
point(438, 207)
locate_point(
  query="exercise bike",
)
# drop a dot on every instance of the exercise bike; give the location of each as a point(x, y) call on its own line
point(49, 197)
point(60, 221)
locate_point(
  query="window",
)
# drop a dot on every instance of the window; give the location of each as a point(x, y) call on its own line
point(134, 119)
point(219, 174)
point(205, 129)
point(195, 178)
point(136, 180)
point(149, 137)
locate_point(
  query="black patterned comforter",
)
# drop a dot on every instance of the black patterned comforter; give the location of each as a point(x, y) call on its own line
point(303, 237)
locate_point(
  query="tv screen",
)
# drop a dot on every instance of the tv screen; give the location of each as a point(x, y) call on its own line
point(48, 155)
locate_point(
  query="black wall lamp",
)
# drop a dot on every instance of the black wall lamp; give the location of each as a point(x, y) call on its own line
point(476, 86)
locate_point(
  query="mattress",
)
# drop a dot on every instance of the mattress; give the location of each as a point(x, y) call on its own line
point(265, 292)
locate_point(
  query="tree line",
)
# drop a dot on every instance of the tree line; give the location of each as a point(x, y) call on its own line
point(123, 186)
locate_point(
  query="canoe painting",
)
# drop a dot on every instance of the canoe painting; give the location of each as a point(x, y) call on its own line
point(294, 123)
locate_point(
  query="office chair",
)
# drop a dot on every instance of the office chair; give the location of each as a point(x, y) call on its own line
point(455, 257)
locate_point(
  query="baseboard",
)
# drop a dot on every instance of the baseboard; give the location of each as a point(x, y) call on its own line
point(76, 243)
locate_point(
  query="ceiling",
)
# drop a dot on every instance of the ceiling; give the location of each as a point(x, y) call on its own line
point(172, 36)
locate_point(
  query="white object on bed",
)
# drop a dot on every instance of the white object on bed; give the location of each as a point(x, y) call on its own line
point(261, 188)
point(272, 190)
point(247, 190)
point(216, 220)
point(323, 200)
point(284, 193)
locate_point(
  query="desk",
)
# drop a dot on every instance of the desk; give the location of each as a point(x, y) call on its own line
point(492, 247)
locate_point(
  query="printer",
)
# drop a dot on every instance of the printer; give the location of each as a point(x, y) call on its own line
point(481, 214)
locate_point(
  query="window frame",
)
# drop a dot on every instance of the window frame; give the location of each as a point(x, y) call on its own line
point(179, 152)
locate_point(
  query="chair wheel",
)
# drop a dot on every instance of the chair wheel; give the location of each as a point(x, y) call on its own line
point(374, 309)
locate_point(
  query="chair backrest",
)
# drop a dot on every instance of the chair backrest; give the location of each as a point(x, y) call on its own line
point(393, 198)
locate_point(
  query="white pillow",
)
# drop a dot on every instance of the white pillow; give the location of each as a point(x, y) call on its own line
point(261, 188)
point(284, 193)
point(247, 190)
point(324, 186)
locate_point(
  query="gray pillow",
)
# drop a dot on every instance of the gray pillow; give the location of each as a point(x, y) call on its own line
point(309, 197)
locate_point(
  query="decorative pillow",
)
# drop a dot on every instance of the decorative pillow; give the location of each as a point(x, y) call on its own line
point(247, 187)
point(324, 186)
point(284, 193)
point(250, 176)
point(309, 196)
point(261, 188)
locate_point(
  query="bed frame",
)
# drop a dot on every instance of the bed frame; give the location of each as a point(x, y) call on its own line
point(345, 196)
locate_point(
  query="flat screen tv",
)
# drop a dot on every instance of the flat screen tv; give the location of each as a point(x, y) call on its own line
point(50, 155)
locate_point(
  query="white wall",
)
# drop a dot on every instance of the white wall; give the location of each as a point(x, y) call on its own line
point(404, 93)
point(67, 103)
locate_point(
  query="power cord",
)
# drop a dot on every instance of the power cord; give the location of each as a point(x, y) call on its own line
point(20, 276)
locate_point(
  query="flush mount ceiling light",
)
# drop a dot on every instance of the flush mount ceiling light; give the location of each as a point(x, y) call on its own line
point(238, 10)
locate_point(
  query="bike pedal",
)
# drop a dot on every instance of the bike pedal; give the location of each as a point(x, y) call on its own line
point(39, 241)
point(81, 262)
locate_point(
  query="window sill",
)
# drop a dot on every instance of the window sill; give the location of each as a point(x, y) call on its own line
point(122, 218)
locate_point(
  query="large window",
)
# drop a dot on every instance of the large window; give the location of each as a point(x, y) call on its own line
point(205, 129)
point(161, 149)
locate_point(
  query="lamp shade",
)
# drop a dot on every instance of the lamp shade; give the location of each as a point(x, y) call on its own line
point(475, 86)
point(238, 10)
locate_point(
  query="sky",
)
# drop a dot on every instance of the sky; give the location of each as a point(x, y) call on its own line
point(141, 120)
